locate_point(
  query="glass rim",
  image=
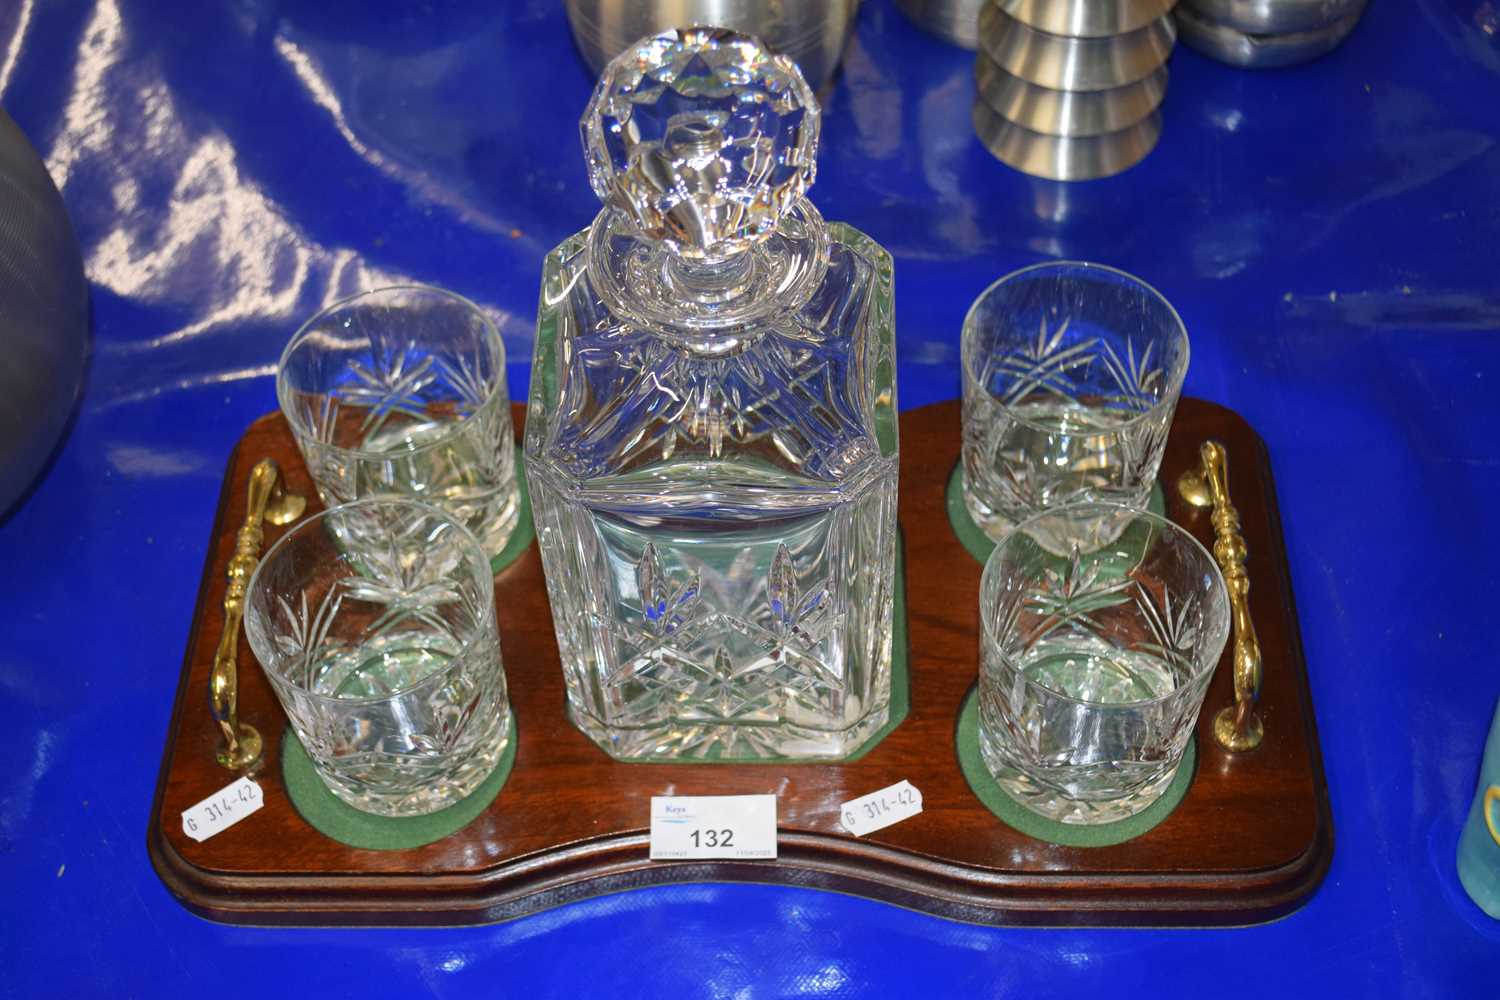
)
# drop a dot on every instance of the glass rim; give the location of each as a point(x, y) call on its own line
point(1179, 371)
point(986, 631)
point(476, 551)
point(451, 429)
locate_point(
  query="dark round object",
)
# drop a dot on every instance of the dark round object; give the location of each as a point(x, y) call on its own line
point(43, 315)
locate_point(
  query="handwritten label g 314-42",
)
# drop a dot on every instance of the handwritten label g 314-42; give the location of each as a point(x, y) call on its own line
point(222, 809)
point(879, 810)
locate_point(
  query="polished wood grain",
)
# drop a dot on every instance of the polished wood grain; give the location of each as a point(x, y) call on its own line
point(1250, 842)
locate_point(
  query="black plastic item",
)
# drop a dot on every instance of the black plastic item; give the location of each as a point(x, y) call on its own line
point(43, 315)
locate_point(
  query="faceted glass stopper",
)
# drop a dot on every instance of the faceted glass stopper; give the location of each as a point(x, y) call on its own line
point(704, 137)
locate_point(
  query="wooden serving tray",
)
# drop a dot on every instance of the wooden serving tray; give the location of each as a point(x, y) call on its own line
point(1250, 842)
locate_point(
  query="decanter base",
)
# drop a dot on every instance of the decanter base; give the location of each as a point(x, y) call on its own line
point(706, 742)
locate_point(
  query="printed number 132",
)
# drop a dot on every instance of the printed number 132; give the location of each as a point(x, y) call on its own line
point(713, 838)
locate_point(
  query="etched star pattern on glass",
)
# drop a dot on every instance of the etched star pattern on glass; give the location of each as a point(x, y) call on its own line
point(1071, 374)
point(386, 657)
point(401, 392)
point(1094, 664)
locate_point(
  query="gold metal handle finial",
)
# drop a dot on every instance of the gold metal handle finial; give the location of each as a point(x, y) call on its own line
point(1238, 726)
point(267, 501)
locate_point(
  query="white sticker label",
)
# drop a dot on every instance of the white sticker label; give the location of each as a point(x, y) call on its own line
point(713, 826)
point(222, 809)
point(879, 810)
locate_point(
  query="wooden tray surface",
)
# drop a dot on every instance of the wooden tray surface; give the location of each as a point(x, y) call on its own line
point(1250, 842)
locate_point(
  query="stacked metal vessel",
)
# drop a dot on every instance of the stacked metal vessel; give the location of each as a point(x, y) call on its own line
point(955, 21)
point(1070, 89)
point(1263, 34)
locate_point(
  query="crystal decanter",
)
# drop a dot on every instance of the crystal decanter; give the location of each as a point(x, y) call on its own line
point(711, 432)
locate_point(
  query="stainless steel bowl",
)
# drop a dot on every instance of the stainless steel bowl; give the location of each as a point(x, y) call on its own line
point(1261, 51)
point(1062, 63)
point(1086, 18)
point(955, 21)
point(811, 32)
point(1274, 17)
point(1060, 158)
point(1067, 112)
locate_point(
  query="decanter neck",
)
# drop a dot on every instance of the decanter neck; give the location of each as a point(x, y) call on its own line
point(715, 281)
point(715, 304)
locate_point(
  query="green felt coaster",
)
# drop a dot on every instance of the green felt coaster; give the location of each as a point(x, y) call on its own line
point(1023, 820)
point(972, 536)
point(523, 533)
point(899, 706)
point(335, 818)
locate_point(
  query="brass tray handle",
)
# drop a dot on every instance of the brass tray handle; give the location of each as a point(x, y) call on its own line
point(268, 501)
point(1237, 727)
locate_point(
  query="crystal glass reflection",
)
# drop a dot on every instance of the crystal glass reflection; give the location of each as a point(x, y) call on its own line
point(386, 657)
point(1071, 373)
point(401, 392)
point(1094, 663)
